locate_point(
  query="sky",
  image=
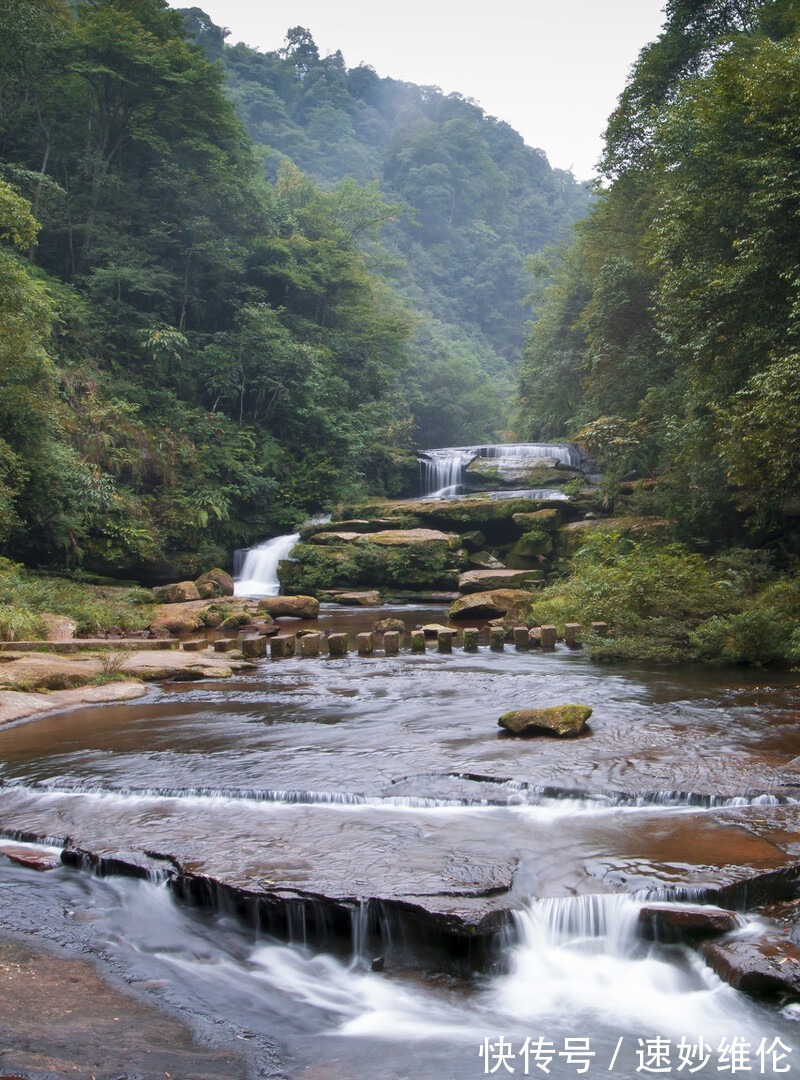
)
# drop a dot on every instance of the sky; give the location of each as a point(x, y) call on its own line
point(553, 69)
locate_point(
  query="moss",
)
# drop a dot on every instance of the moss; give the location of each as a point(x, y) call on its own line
point(314, 569)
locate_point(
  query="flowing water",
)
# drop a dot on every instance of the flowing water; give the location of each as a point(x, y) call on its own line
point(256, 569)
point(388, 777)
point(442, 470)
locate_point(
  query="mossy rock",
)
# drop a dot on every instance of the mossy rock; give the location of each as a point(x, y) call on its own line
point(531, 544)
point(491, 604)
point(316, 568)
point(520, 472)
point(571, 537)
point(538, 519)
point(359, 525)
point(564, 721)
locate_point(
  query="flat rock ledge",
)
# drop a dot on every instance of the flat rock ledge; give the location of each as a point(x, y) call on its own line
point(564, 721)
point(458, 929)
point(766, 965)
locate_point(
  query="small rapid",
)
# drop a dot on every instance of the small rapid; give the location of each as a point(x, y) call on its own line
point(256, 568)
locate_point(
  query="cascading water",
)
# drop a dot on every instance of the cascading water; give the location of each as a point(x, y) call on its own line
point(442, 470)
point(256, 569)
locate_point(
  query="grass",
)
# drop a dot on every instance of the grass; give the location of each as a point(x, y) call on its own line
point(27, 595)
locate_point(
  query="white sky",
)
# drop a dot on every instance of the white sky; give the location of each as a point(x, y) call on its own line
point(552, 68)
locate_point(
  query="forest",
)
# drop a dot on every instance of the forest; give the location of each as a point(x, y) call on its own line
point(239, 286)
point(207, 337)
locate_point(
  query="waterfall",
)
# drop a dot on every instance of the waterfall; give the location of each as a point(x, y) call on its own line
point(442, 469)
point(256, 569)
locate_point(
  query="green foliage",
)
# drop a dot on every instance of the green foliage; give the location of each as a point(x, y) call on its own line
point(469, 202)
point(25, 596)
point(650, 594)
point(759, 442)
point(674, 311)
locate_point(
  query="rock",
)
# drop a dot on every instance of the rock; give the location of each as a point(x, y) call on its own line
point(208, 590)
point(58, 627)
point(220, 579)
point(668, 923)
point(473, 540)
point(178, 593)
point(30, 855)
point(372, 598)
point(485, 580)
point(429, 538)
point(382, 625)
point(432, 630)
point(766, 965)
point(334, 537)
point(537, 519)
point(490, 604)
point(295, 607)
point(565, 721)
point(485, 560)
point(175, 620)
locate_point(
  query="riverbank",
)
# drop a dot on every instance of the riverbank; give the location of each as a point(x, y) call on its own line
point(54, 682)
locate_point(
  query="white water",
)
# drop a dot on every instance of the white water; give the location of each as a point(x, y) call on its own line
point(578, 972)
point(442, 469)
point(259, 570)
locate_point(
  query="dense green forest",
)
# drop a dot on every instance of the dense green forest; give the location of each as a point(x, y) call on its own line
point(471, 200)
point(203, 339)
point(667, 336)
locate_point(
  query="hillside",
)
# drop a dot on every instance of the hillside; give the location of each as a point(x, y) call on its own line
point(472, 203)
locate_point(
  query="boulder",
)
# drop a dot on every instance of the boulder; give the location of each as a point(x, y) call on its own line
point(473, 540)
point(432, 630)
point(178, 593)
point(294, 607)
point(566, 721)
point(537, 519)
point(58, 627)
point(175, 620)
point(218, 580)
point(372, 598)
point(382, 625)
point(490, 604)
point(485, 560)
point(483, 580)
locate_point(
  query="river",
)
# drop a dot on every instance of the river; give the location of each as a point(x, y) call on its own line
point(388, 777)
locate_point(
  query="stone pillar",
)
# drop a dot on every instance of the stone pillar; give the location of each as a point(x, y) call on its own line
point(547, 638)
point(572, 634)
point(391, 642)
point(365, 643)
point(337, 644)
point(521, 638)
point(418, 641)
point(444, 641)
point(225, 644)
point(196, 646)
point(497, 638)
point(281, 646)
point(600, 628)
point(253, 646)
point(310, 644)
point(470, 639)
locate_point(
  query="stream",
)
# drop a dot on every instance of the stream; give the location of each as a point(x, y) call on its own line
point(387, 777)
